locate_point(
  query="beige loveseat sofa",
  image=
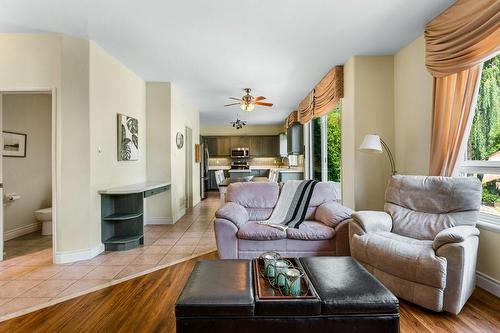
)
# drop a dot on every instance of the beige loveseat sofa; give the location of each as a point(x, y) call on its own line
point(424, 246)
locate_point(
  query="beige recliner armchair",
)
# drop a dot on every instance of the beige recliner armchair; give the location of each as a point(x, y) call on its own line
point(424, 246)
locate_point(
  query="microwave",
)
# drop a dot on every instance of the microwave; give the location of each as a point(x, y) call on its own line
point(240, 152)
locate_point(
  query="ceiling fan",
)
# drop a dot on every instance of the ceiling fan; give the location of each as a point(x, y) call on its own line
point(248, 102)
point(238, 124)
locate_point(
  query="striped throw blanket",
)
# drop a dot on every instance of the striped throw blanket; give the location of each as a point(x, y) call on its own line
point(291, 208)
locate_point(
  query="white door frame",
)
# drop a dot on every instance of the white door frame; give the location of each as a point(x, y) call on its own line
point(189, 166)
point(55, 138)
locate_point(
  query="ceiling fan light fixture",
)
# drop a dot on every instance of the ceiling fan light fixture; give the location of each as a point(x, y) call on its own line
point(247, 107)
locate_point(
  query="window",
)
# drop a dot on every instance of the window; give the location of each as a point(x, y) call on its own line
point(324, 146)
point(482, 153)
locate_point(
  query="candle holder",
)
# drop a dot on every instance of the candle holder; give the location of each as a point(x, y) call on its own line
point(269, 259)
point(292, 281)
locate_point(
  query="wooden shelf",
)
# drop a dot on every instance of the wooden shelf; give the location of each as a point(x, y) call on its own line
point(122, 216)
point(123, 243)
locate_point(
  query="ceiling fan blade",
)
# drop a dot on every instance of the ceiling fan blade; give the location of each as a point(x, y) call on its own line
point(264, 103)
point(237, 99)
point(259, 98)
point(232, 104)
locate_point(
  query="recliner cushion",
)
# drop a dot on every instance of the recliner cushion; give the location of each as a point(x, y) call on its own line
point(404, 257)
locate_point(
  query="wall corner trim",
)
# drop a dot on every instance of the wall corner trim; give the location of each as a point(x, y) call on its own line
point(488, 283)
point(77, 255)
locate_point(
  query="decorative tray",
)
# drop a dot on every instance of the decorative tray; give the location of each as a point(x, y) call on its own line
point(265, 291)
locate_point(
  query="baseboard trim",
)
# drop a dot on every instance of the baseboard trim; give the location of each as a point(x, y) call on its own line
point(77, 255)
point(21, 231)
point(488, 283)
point(159, 220)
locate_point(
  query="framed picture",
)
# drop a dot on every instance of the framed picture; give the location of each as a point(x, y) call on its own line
point(128, 138)
point(14, 144)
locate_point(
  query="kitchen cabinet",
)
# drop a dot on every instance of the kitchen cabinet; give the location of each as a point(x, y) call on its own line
point(295, 139)
point(260, 146)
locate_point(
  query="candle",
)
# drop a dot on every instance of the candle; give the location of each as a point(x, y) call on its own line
point(281, 268)
point(268, 265)
point(292, 285)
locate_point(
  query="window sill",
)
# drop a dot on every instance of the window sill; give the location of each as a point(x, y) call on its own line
point(490, 226)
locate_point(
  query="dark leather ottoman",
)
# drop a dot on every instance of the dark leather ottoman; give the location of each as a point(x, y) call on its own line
point(219, 298)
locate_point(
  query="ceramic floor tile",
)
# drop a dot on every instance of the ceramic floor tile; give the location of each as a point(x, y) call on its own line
point(5, 300)
point(133, 269)
point(73, 273)
point(147, 259)
point(48, 288)
point(165, 241)
point(188, 241)
point(82, 285)
point(17, 287)
point(170, 258)
point(157, 249)
point(20, 303)
point(15, 272)
point(119, 260)
point(44, 272)
point(103, 272)
point(91, 262)
point(182, 249)
point(173, 234)
point(193, 234)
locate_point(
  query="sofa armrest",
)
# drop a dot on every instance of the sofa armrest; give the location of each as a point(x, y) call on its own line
point(233, 212)
point(332, 213)
point(454, 235)
point(373, 221)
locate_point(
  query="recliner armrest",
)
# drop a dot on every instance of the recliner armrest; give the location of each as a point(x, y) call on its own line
point(454, 235)
point(233, 212)
point(373, 221)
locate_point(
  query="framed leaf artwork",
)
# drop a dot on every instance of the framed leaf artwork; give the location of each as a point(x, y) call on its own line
point(128, 138)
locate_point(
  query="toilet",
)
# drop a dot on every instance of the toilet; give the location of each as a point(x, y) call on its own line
point(45, 216)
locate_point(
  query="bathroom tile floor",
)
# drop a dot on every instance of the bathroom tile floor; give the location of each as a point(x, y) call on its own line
point(31, 280)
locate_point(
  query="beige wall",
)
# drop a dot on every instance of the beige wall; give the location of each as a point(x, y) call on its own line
point(183, 114)
point(489, 247)
point(368, 108)
point(158, 106)
point(113, 89)
point(168, 113)
point(412, 109)
point(247, 130)
point(30, 177)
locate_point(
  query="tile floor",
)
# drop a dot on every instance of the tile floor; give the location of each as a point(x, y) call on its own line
point(31, 279)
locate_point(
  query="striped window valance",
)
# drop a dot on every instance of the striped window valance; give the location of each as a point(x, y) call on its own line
point(324, 97)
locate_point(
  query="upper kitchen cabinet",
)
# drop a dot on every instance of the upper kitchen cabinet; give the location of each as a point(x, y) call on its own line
point(295, 139)
point(260, 146)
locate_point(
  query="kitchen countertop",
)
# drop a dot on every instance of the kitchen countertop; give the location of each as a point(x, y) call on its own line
point(256, 167)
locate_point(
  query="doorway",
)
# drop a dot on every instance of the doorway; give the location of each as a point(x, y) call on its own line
point(189, 167)
point(26, 174)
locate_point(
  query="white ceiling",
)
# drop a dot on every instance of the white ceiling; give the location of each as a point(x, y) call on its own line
point(212, 49)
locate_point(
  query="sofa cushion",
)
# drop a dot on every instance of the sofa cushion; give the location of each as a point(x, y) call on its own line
point(253, 194)
point(259, 214)
point(404, 257)
point(311, 230)
point(332, 213)
point(254, 231)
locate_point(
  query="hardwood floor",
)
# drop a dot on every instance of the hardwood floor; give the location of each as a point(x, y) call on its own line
point(146, 304)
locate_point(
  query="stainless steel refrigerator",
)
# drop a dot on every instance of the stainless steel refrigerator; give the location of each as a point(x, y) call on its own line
point(204, 171)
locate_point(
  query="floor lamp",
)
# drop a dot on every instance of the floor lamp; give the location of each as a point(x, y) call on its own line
point(373, 144)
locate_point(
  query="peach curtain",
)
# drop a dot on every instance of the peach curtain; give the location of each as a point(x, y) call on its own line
point(455, 97)
point(328, 91)
point(457, 42)
point(306, 108)
point(291, 119)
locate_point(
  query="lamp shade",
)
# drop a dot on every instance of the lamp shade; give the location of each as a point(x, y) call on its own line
point(371, 144)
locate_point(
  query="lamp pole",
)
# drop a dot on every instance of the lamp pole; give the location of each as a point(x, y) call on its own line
point(391, 159)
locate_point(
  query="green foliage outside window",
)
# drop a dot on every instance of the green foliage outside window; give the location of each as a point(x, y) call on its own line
point(333, 135)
